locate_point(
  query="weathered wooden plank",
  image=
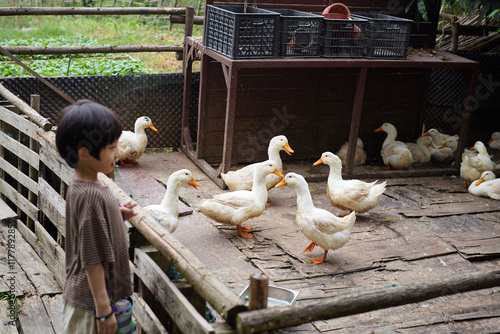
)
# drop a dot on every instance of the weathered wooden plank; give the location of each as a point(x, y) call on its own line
point(360, 302)
point(475, 245)
point(33, 318)
point(50, 157)
point(185, 316)
point(5, 211)
point(54, 306)
point(20, 123)
point(9, 325)
point(20, 150)
point(440, 210)
point(52, 205)
point(10, 268)
point(18, 175)
point(38, 274)
point(426, 317)
point(146, 318)
point(51, 253)
point(26, 206)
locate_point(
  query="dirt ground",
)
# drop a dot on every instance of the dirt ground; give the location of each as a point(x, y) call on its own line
point(423, 230)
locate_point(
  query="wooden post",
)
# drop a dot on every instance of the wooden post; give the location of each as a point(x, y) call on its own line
point(259, 291)
point(33, 172)
point(26, 109)
point(455, 33)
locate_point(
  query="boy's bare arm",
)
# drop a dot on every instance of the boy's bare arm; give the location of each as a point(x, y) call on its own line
point(97, 283)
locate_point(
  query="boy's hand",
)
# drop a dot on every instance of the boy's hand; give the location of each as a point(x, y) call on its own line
point(127, 209)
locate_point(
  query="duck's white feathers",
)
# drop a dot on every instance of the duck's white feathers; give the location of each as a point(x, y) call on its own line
point(437, 138)
point(494, 141)
point(420, 150)
point(320, 226)
point(132, 144)
point(473, 166)
point(235, 207)
point(353, 195)
point(394, 153)
point(242, 179)
point(167, 212)
point(487, 186)
point(359, 155)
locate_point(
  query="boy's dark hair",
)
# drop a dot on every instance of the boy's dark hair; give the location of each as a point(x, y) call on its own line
point(86, 124)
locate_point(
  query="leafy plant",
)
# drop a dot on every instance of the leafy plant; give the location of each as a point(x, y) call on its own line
point(76, 67)
point(489, 8)
point(14, 307)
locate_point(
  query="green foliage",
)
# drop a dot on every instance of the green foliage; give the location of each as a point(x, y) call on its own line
point(75, 67)
point(488, 8)
point(55, 41)
point(13, 307)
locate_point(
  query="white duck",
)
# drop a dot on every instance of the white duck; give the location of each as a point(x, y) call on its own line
point(359, 155)
point(132, 144)
point(353, 195)
point(487, 186)
point(167, 212)
point(437, 138)
point(242, 179)
point(236, 207)
point(472, 167)
point(420, 151)
point(395, 154)
point(320, 226)
point(494, 141)
point(444, 151)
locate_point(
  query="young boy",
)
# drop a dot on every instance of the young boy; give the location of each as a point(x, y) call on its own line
point(97, 260)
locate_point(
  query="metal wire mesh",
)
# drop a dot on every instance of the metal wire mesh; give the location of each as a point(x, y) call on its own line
point(447, 89)
point(158, 96)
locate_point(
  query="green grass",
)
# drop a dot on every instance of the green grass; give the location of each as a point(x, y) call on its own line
point(107, 30)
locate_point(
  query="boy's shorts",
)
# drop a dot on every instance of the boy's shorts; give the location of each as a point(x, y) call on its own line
point(78, 321)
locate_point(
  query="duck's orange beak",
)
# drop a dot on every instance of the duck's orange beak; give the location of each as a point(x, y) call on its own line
point(472, 148)
point(152, 127)
point(281, 184)
point(481, 180)
point(194, 184)
point(432, 145)
point(288, 149)
point(379, 129)
point(489, 141)
point(442, 146)
point(320, 161)
point(277, 172)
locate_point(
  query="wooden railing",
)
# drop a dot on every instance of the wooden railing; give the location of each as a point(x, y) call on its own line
point(34, 178)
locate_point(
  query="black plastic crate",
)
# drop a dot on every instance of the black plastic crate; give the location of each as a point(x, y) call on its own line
point(238, 34)
point(387, 36)
point(343, 38)
point(300, 33)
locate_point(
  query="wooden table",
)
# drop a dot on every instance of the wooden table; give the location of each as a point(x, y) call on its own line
point(232, 69)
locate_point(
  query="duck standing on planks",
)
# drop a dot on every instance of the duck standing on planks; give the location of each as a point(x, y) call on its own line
point(242, 179)
point(236, 207)
point(322, 227)
point(352, 195)
point(132, 144)
point(167, 212)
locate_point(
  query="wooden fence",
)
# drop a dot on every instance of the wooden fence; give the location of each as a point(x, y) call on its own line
point(34, 180)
